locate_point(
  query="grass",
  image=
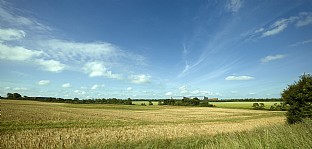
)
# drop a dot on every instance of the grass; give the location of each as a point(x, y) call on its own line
point(31, 124)
point(241, 105)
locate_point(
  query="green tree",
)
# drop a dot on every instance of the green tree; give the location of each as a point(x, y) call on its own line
point(299, 98)
point(150, 103)
point(10, 96)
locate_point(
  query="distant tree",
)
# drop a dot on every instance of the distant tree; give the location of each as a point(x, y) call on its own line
point(258, 106)
point(128, 102)
point(17, 96)
point(150, 103)
point(9, 95)
point(299, 98)
point(160, 102)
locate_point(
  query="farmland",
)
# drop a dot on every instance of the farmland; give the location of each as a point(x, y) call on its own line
point(32, 124)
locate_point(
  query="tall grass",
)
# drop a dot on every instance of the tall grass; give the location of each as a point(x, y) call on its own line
point(298, 136)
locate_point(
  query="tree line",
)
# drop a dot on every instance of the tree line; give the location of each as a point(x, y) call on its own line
point(17, 96)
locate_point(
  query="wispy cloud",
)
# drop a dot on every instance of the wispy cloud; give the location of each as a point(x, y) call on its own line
point(302, 43)
point(239, 78)
point(272, 58)
point(11, 34)
point(306, 19)
point(10, 16)
point(95, 86)
point(140, 78)
point(129, 88)
point(183, 89)
point(234, 5)
point(54, 54)
point(43, 82)
point(51, 65)
point(17, 53)
point(168, 93)
point(277, 27)
point(303, 19)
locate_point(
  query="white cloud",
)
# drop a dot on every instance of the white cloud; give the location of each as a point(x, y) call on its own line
point(129, 88)
point(11, 34)
point(278, 27)
point(51, 65)
point(238, 78)
point(183, 89)
point(233, 5)
point(17, 53)
point(195, 91)
point(10, 16)
point(20, 89)
point(259, 30)
point(66, 85)
point(140, 78)
point(97, 69)
point(303, 19)
point(43, 82)
point(79, 92)
point(77, 51)
point(271, 58)
point(306, 19)
point(95, 86)
point(302, 43)
point(168, 93)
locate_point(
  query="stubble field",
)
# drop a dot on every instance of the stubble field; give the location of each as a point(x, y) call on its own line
point(31, 124)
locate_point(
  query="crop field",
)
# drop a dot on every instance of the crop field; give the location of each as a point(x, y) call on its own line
point(241, 105)
point(31, 124)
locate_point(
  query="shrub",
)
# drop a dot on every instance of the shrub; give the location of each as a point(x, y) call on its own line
point(143, 104)
point(150, 103)
point(280, 107)
point(299, 98)
point(258, 106)
point(205, 103)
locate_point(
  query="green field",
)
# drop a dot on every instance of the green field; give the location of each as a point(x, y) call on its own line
point(241, 105)
point(32, 124)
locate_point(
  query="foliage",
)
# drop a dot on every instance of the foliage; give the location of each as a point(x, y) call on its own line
point(299, 97)
point(205, 103)
point(250, 100)
point(14, 96)
point(258, 106)
point(280, 107)
point(17, 96)
point(150, 103)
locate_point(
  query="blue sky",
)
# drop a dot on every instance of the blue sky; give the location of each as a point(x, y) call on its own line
point(154, 48)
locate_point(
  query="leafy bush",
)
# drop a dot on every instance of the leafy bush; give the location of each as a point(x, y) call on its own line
point(205, 103)
point(299, 98)
point(258, 106)
point(280, 107)
point(150, 103)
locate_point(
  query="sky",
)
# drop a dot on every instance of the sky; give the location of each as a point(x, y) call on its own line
point(153, 49)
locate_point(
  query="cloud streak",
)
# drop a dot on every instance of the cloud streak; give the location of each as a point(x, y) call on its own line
point(272, 58)
point(303, 19)
point(239, 78)
point(233, 5)
point(43, 82)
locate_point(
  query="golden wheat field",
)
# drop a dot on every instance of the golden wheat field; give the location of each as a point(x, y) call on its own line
point(32, 124)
